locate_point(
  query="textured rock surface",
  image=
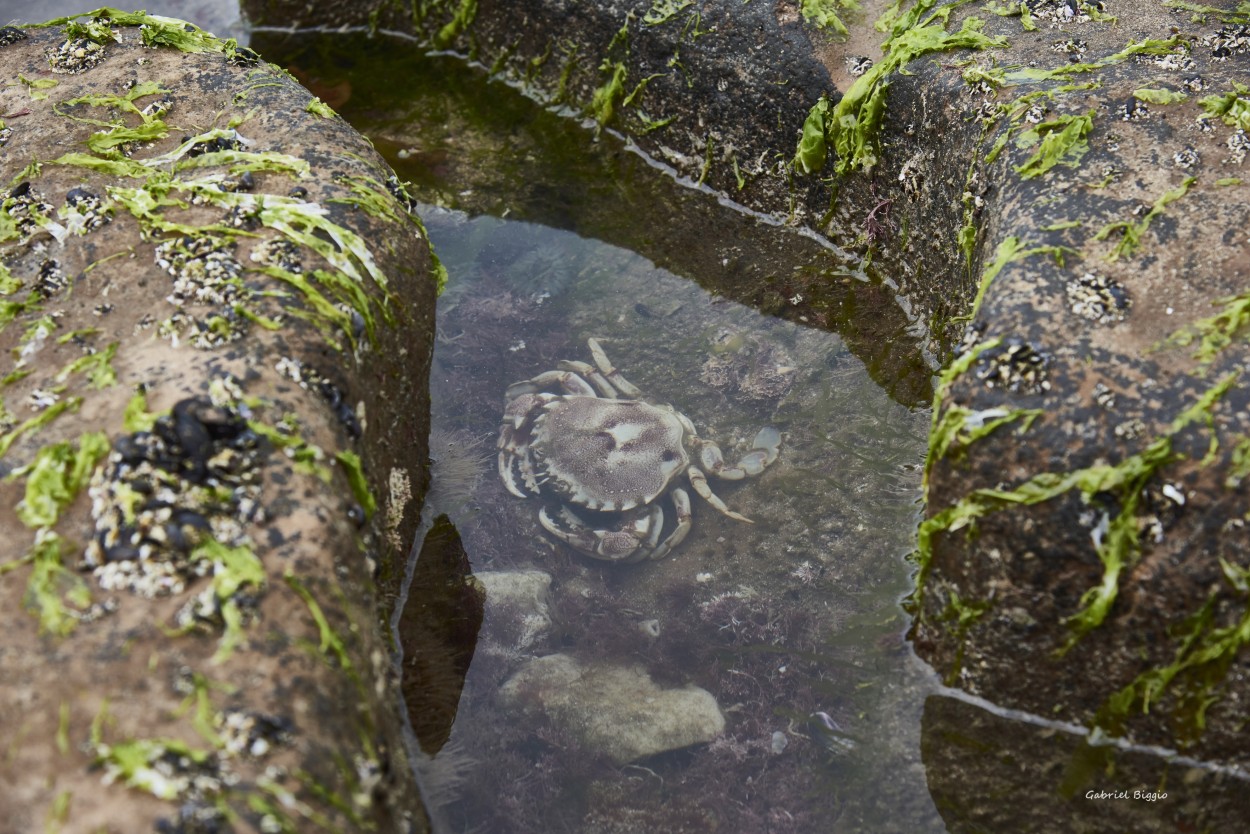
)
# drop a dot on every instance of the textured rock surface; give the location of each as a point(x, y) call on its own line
point(987, 772)
point(216, 320)
point(613, 711)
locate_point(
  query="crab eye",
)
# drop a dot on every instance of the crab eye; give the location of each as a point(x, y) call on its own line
point(668, 456)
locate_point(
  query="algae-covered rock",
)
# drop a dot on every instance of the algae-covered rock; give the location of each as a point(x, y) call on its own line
point(614, 711)
point(215, 312)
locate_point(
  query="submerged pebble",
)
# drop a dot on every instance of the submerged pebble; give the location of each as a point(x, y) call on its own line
point(615, 711)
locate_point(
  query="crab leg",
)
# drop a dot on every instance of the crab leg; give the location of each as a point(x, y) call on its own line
point(571, 383)
point(592, 373)
point(764, 451)
point(681, 502)
point(506, 475)
point(699, 481)
point(605, 365)
point(621, 545)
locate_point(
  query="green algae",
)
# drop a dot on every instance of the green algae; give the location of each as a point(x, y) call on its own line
point(51, 585)
point(959, 427)
point(8, 283)
point(1239, 466)
point(662, 11)
point(38, 88)
point(37, 422)
point(331, 644)
point(962, 615)
point(1009, 249)
point(1058, 141)
point(234, 570)
point(371, 197)
point(154, 30)
point(55, 477)
point(319, 108)
point(58, 812)
point(1131, 231)
point(305, 457)
point(606, 97)
point(135, 763)
point(1018, 9)
point(854, 123)
point(460, 21)
point(1239, 14)
point(199, 703)
point(98, 367)
point(1200, 663)
point(1232, 108)
point(1149, 46)
point(354, 469)
point(813, 145)
point(62, 728)
point(1151, 95)
point(1217, 332)
point(1118, 544)
point(825, 14)
point(941, 438)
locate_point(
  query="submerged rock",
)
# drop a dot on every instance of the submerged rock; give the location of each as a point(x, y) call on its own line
point(517, 614)
point(617, 711)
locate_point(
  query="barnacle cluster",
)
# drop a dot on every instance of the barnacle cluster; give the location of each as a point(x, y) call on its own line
point(198, 779)
point(194, 477)
point(51, 279)
point(1133, 110)
point(1162, 505)
point(277, 252)
point(310, 379)
point(11, 34)
point(1074, 48)
point(1231, 39)
point(75, 55)
point(253, 733)
point(83, 211)
point(1097, 298)
point(1014, 365)
point(1057, 12)
point(205, 271)
point(857, 65)
point(1238, 145)
point(26, 207)
point(1186, 158)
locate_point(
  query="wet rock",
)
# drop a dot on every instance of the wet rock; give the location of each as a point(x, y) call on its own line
point(183, 524)
point(1060, 781)
point(615, 711)
point(517, 614)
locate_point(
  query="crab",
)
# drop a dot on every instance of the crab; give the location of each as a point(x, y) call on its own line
point(603, 456)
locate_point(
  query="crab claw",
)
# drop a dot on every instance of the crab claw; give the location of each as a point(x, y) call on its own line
point(764, 451)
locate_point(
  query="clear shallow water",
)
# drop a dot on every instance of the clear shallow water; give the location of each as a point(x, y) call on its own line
point(739, 323)
point(793, 615)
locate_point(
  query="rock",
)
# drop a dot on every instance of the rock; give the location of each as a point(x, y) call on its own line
point(616, 711)
point(1058, 783)
point(517, 614)
point(215, 321)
